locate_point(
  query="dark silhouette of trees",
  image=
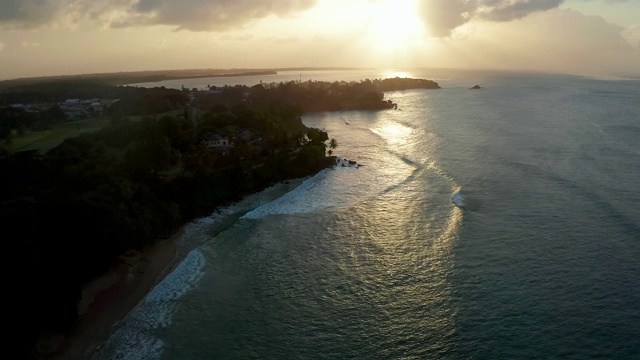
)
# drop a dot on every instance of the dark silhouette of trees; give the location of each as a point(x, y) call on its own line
point(333, 144)
point(14, 118)
point(55, 114)
point(313, 96)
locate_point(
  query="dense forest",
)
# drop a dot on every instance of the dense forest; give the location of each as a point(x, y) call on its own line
point(311, 96)
point(70, 212)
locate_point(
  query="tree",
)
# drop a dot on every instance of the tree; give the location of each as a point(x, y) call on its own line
point(333, 143)
point(5, 134)
point(317, 137)
point(21, 129)
point(55, 114)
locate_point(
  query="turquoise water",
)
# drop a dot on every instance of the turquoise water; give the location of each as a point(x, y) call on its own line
point(500, 223)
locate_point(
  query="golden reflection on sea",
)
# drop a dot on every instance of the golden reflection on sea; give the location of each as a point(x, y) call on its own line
point(394, 133)
point(396, 73)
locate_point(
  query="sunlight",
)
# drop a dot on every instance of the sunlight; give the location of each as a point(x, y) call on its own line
point(394, 25)
point(392, 73)
point(393, 132)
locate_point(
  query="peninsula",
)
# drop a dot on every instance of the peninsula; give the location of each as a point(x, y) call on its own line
point(134, 77)
point(105, 199)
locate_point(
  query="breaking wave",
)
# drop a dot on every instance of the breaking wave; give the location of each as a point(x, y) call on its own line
point(458, 200)
point(133, 337)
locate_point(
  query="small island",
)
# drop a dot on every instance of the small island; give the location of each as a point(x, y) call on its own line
point(475, 87)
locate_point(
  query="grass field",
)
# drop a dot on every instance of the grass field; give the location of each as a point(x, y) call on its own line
point(44, 141)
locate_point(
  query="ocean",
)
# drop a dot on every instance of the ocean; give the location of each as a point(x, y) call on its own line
point(499, 223)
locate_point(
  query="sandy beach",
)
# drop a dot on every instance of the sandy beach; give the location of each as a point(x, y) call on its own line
point(108, 299)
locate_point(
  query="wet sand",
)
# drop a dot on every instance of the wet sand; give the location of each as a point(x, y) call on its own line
point(108, 299)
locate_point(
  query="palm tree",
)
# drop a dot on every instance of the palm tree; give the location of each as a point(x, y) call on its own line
point(332, 145)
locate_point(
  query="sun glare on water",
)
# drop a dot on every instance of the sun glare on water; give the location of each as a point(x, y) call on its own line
point(393, 132)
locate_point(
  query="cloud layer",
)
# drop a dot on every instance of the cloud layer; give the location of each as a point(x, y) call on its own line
point(28, 13)
point(632, 35)
point(203, 15)
point(559, 40)
point(440, 16)
point(197, 15)
point(444, 16)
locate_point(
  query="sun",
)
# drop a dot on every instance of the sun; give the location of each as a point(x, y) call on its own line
point(394, 25)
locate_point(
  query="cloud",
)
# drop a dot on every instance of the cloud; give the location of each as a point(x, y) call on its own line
point(507, 10)
point(207, 15)
point(28, 13)
point(632, 35)
point(443, 16)
point(560, 40)
point(196, 15)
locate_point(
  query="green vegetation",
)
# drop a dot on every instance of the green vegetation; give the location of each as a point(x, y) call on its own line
point(35, 117)
point(46, 140)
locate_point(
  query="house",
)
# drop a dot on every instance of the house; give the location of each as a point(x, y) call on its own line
point(216, 141)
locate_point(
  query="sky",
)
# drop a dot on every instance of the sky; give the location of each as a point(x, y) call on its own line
point(68, 37)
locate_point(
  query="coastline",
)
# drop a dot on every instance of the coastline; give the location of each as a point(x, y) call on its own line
point(109, 299)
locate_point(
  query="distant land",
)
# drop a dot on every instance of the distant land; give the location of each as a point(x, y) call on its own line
point(133, 77)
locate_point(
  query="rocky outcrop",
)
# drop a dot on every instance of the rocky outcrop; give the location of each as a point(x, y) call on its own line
point(346, 163)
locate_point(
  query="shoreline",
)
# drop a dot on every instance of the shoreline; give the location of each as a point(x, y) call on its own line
point(109, 299)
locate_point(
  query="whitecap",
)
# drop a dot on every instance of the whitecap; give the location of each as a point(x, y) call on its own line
point(458, 200)
point(133, 337)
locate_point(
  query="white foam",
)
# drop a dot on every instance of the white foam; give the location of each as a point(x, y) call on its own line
point(458, 199)
point(133, 337)
point(303, 199)
point(184, 278)
point(346, 162)
point(196, 231)
point(328, 188)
